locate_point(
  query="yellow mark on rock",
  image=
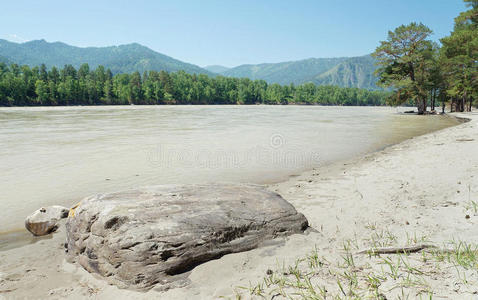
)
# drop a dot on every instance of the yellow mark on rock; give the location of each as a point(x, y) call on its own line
point(71, 213)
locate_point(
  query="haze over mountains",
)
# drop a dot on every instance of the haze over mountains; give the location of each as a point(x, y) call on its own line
point(216, 69)
point(344, 71)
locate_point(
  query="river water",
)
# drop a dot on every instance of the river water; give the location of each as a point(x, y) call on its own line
point(59, 155)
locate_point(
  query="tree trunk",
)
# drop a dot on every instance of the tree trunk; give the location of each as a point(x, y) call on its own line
point(433, 99)
point(421, 106)
point(466, 107)
point(442, 104)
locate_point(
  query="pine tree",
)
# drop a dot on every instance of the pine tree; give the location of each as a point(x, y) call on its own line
point(404, 60)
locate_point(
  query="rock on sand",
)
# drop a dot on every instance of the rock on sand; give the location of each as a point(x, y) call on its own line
point(45, 220)
point(153, 236)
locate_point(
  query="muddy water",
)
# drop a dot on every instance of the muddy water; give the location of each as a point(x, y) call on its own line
point(60, 155)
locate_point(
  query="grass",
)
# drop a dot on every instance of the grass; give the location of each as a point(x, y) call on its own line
point(358, 276)
point(472, 205)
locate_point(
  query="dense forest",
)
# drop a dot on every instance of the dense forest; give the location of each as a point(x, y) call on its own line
point(421, 71)
point(412, 68)
point(25, 86)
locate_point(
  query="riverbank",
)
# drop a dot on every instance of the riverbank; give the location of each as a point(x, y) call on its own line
point(422, 190)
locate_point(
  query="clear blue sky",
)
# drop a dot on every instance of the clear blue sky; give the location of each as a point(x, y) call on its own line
point(206, 32)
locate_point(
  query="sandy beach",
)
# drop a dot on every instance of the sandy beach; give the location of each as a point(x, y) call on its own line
point(421, 191)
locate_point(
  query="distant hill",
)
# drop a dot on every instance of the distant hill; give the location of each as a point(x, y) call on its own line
point(343, 71)
point(216, 69)
point(120, 59)
point(353, 72)
point(4, 60)
point(286, 72)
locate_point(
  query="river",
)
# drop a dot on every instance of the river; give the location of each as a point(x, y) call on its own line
point(58, 155)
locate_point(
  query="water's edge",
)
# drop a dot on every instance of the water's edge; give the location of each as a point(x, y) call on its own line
point(341, 162)
point(20, 237)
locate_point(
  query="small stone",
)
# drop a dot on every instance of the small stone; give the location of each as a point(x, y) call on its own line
point(45, 220)
point(407, 223)
point(381, 297)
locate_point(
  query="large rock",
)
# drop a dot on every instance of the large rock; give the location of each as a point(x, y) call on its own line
point(150, 236)
point(45, 220)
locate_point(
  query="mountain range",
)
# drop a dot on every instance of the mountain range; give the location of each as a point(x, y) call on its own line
point(4, 60)
point(216, 69)
point(343, 71)
point(119, 59)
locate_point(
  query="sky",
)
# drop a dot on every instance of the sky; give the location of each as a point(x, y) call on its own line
point(226, 32)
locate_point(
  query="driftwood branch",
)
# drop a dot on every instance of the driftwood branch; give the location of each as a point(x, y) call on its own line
point(396, 250)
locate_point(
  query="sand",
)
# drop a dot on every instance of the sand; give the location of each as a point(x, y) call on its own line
point(419, 191)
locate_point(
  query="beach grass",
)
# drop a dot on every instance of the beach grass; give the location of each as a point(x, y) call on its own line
point(370, 275)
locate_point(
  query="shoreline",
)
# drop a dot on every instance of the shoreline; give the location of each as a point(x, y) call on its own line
point(239, 157)
point(360, 191)
point(21, 237)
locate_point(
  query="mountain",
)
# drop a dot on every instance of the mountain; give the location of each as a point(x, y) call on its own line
point(353, 72)
point(342, 71)
point(119, 59)
point(296, 72)
point(216, 69)
point(4, 60)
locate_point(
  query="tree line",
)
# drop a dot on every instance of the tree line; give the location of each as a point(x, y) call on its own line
point(25, 86)
point(420, 71)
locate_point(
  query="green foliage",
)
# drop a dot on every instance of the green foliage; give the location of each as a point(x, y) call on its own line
point(119, 59)
point(345, 72)
point(460, 56)
point(418, 70)
point(405, 61)
point(22, 86)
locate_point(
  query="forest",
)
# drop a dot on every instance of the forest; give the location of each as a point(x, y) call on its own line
point(25, 86)
point(420, 71)
point(412, 70)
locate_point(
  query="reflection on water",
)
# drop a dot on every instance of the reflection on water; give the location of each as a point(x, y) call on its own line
point(60, 155)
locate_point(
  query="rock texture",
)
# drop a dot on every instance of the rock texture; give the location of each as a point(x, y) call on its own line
point(45, 220)
point(154, 235)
